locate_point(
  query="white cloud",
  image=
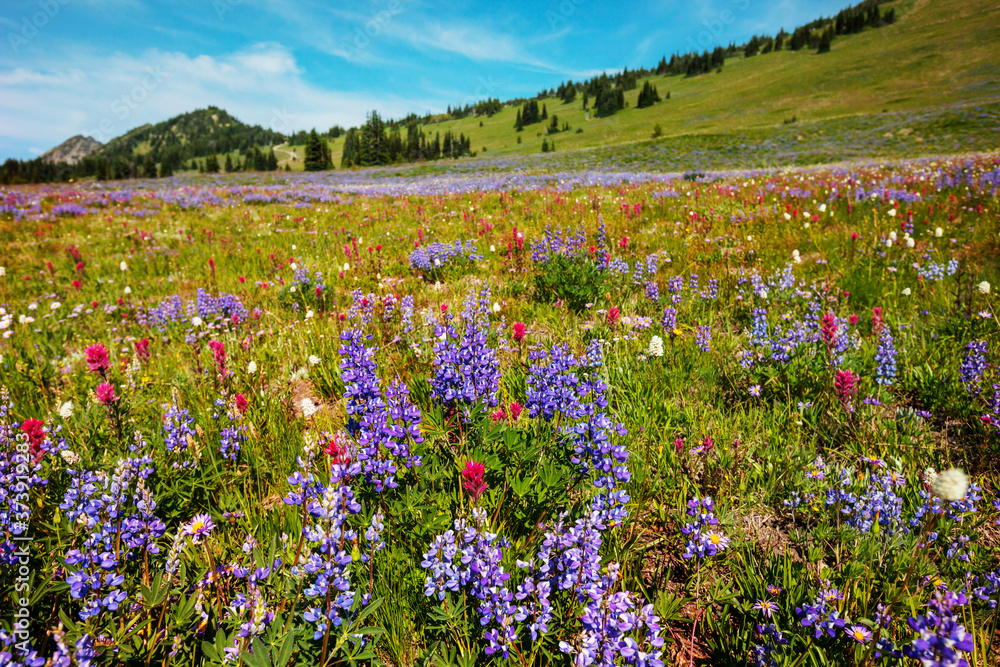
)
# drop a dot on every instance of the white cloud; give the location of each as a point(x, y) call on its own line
point(105, 95)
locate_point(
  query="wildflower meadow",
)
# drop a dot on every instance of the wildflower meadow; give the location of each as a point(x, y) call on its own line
point(505, 417)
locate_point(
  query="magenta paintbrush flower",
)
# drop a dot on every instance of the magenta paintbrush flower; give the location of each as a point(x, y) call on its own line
point(472, 479)
point(97, 359)
point(106, 393)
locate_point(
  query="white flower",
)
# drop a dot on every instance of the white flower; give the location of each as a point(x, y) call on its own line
point(128, 290)
point(66, 410)
point(938, 232)
point(69, 457)
point(951, 485)
point(795, 257)
point(788, 216)
point(3, 272)
point(123, 266)
point(308, 407)
point(493, 248)
point(910, 242)
point(292, 288)
point(196, 321)
point(360, 241)
point(293, 248)
point(437, 262)
point(347, 267)
point(655, 347)
point(309, 314)
point(293, 265)
point(892, 213)
point(314, 360)
point(496, 307)
point(892, 236)
point(888, 244)
point(906, 291)
point(822, 208)
point(984, 287)
point(252, 367)
point(54, 305)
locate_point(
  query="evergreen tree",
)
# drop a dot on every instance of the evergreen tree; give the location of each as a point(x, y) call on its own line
point(212, 164)
point(824, 42)
point(229, 164)
point(545, 145)
point(316, 158)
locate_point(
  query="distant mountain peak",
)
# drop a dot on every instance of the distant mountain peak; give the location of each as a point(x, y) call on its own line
point(72, 150)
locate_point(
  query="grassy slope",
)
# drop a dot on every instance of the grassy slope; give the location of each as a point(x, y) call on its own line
point(938, 53)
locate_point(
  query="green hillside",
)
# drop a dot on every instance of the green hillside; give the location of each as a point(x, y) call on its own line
point(936, 54)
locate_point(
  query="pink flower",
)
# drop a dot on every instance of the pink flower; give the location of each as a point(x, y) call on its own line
point(497, 415)
point(242, 403)
point(515, 410)
point(219, 354)
point(828, 325)
point(106, 393)
point(877, 320)
point(519, 332)
point(97, 359)
point(142, 349)
point(472, 479)
point(613, 316)
point(36, 436)
point(337, 451)
point(845, 385)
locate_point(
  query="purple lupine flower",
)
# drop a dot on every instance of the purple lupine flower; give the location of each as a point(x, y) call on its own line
point(885, 358)
point(973, 365)
point(942, 639)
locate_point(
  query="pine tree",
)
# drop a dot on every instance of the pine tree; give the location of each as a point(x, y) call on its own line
point(212, 164)
point(824, 42)
point(314, 160)
point(518, 124)
point(545, 113)
point(272, 160)
point(545, 145)
point(229, 164)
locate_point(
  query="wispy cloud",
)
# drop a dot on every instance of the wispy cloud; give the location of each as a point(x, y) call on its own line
point(106, 95)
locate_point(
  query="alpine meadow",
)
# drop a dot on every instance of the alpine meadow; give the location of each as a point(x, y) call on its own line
point(323, 356)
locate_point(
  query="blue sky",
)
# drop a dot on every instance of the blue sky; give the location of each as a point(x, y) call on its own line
point(102, 67)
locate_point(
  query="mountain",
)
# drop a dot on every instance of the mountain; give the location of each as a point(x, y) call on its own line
point(199, 133)
point(196, 134)
point(72, 150)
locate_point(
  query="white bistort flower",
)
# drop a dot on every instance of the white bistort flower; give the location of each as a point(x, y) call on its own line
point(252, 367)
point(66, 410)
point(314, 360)
point(984, 287)
point(951, 485)
point(123, 266)
point(655, 347)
